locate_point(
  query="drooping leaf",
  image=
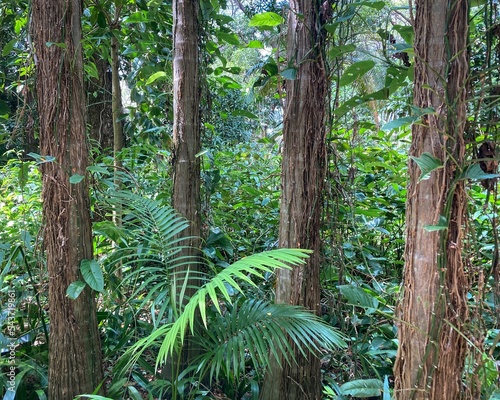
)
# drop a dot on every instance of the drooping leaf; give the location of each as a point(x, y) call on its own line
point(475, 172)
point(377, 5)
point(398, 123)
point(289, 73)
point(41, 159)
point(230, 38)
point(74, 289)
point(9, 47)
point(442, 225)
point(355, 71)
point(4, 108)
point(427, 163)
point(92, 274)
point(355, 101)
point(363, 388)
point(244, 113)
point(154, 77)
point(406, 32)
point(357, 296)
point(75, 178)
point(338, 51)
point(91, 70)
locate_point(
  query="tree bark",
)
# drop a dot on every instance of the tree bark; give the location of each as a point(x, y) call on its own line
point(303, 174)
point(186, 144)
point(99, 108)
point(433, 312)
point(75, 364)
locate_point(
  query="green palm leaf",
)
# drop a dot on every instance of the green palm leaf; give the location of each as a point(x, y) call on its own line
point(258, 329)
point(173, 335)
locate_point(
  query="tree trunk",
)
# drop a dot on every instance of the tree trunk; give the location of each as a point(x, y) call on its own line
point(75, 364)
point(100, 114)
point(303, 174)
point(433, 312)
point(186, 142)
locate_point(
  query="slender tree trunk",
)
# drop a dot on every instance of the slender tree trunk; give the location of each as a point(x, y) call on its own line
point(433, 312)
point(303, 174)
point(186, 142)
point(75, 365)
point(117, 110)
point(99, 110)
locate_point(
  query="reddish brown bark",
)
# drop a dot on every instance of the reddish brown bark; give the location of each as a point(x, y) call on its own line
point(434, 311)
point(303, 174)
point(75, 365)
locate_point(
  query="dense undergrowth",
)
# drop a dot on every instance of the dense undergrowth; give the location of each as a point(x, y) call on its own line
point(363, 228)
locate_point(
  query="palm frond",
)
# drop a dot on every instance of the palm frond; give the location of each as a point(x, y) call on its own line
point(152, 248)
point(258, 330)
point(254, 265)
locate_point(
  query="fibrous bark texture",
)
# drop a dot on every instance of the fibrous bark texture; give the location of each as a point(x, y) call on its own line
point(303, 174)
point(433, 312)
point(186, 141)
point(75, 365)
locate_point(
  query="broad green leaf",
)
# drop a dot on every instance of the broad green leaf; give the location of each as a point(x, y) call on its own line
point(19, 24)
point(74, 179)
point(244, 113)
point(91, 70)
point(255, 44)
point(9, 47)
point(74, 289)
point(355, 101)
point(41, 159)
point(134, 393)
point(358, 297)
point(377, 5)
point(97, 168)
point(475, 172)
point(363, 388)
point(137, 17)
point(92, 274)
point(406, 32)
point(156, 76)
point(341, 50)
point(442, 225)
point(427, 163)
point(289, 73)
point(266, 19)
point(356, 71)
point(4, 108)
point(398, 123)
point(230, 38)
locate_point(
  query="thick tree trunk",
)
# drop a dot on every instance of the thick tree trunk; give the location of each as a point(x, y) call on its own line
point(186, 141)
point(75, 365)
point(433, 312)
point(303, 174)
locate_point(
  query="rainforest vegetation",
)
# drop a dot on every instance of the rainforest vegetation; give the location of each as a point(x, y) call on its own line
point(249, 199)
